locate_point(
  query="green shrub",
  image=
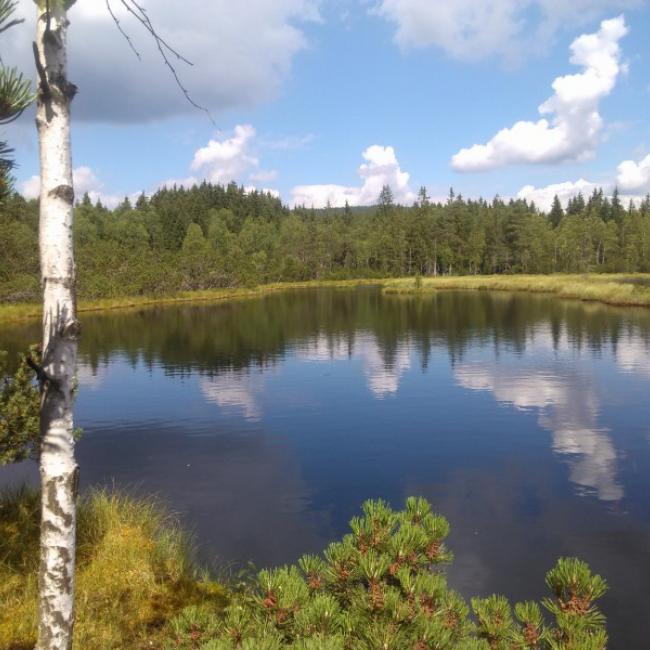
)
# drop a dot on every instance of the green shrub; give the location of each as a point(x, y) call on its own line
point(19, 411)
point(382, 587)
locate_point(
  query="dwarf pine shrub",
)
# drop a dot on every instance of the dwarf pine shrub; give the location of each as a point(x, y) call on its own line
point(382, 588)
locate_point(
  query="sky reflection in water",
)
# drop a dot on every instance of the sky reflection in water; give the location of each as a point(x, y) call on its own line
point(266, 423)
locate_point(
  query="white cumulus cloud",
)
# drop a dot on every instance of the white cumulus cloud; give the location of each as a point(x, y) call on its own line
point(229, 158)
point(242, 52)
point(381, 168)
point(474, 29)
point(225, 160)
point(633, 176)
point(543, 196)
point(632, 181)
point(573, 128)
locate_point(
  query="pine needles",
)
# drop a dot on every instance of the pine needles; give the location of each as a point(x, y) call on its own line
point(382, 587)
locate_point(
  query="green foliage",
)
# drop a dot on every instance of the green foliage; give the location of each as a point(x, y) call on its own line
point(15, 93)
point(211, 237)
point(19, 412)
point(382, 586)
point(15, 96)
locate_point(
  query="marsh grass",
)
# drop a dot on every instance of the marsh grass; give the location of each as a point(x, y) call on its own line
point(611, 289)
point(11, 312)
point(134, 572)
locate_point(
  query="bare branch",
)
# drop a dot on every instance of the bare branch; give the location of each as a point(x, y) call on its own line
point(119, 27)
point(142, 16)
point(164, 48)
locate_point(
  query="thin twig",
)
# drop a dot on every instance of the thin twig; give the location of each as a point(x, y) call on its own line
point(140, 14)
point(119, 27)
point(146, 21)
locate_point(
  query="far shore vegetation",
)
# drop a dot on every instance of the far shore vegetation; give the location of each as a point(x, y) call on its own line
point(212, 242)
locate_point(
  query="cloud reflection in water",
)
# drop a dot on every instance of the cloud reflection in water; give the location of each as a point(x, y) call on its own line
point(568, 406)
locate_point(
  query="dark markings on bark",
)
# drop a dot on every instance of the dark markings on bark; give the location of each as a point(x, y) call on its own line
point(67, 89)
point(65, 192)
point(75, 482)
point(72, 330)
point(46, 636)
point(64, 282)
point(50, 527)
point(41, 374)
point(55, 506)
point(42, 76)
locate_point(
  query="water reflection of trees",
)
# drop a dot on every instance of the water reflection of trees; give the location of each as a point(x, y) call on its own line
point(211, 338)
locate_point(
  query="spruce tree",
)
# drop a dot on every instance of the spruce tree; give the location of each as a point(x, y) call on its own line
point(557, 213)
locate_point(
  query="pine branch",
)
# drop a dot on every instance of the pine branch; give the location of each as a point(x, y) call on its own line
point(13, 23)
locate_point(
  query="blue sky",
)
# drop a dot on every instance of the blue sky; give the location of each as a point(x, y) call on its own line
point(300, 89)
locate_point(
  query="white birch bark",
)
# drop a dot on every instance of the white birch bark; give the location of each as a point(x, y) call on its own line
point(58, 468)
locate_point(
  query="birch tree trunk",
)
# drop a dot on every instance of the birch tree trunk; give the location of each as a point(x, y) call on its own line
point(58, 468)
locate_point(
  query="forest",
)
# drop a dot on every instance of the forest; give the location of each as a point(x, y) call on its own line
point(211, 236)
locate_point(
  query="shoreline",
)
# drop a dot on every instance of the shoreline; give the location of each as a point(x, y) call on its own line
point(617, 290)
point(16, 312)
point(623, 290)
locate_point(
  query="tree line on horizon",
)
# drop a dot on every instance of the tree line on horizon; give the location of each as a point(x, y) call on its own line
point(211, 236)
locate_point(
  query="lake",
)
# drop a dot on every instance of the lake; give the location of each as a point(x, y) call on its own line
point(266, 423)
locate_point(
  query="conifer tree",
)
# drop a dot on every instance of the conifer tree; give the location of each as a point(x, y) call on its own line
point(557, 213)
point(15, 97)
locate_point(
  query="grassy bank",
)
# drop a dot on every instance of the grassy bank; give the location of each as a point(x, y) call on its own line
point(24, 311)
point(134, 573)
point(611, 289)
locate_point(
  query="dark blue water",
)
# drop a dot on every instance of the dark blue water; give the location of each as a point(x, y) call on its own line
point(264, 424)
